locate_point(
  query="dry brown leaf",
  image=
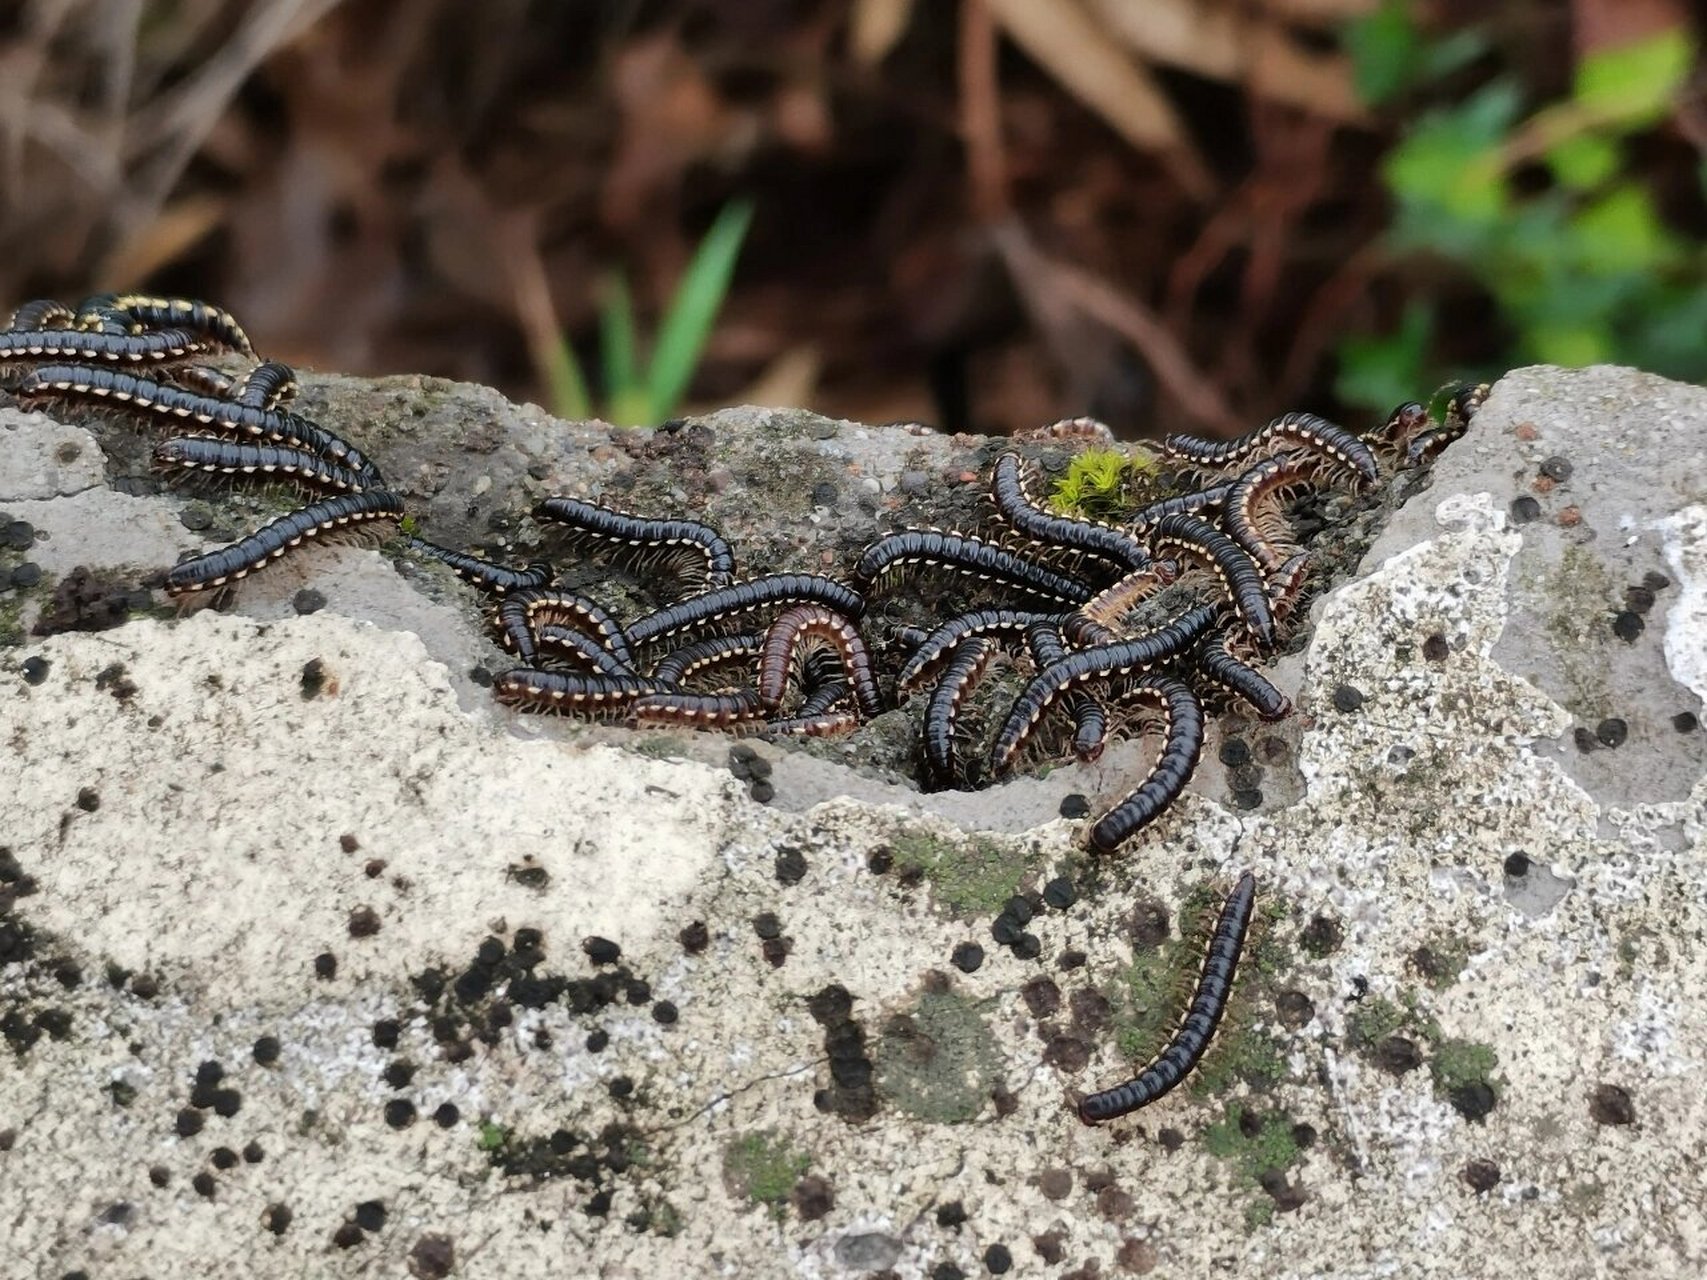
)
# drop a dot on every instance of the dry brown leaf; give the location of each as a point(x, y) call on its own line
point(875, 27)
point(1238, 46)
point(177, 228)
point(1079, 52)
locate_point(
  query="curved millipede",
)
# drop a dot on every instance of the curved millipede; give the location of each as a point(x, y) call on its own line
point(1337, 446)
point(570, 692)
point(1187, 1045)
point(1241, 581)
point(41, 313)
point(217, 455)
point(524, 610)
point(270, 541)
point(681, 665)
point(272, 426)
point(1090, 717)
point(697, 710)
point(212, 324)
point(1181, 714)
point(800, 625)
point(493, 579)
point(966, 666)
point(727, 603)
point(932, 548)
point(1018, 508)
point(1220, 668)
point(589, 519)
point(934, 650)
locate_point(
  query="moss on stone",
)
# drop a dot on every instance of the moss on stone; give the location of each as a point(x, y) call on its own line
point(764, 1168)
point(1255, 1147)
point(972, 876)
point(1458, 1063)
point(938, 1062)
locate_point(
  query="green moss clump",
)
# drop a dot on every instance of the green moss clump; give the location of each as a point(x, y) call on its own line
point(763, 1168)
point(1268, 1149)
point(1099, 483)
point(1236, 1054)
point(1458, 1063)
point(492, 1136)
point(971, 877)
point(939, 1062)
point(1376, 1019)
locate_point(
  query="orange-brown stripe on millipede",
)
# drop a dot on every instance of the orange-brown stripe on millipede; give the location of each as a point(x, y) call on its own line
point(795, 627)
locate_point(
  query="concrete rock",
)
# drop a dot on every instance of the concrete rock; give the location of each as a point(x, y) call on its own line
point(290, 916)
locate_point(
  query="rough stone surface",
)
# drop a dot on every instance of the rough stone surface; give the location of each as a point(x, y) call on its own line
point(1443, 1058)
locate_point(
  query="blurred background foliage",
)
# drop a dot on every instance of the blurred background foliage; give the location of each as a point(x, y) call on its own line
point(985, 214)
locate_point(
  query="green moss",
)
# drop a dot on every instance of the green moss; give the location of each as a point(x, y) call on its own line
point(1147, 1005)
point(492, 1136)
point(1582, 594)
point(939, 1062)
point(1457, 1063)
point(971, 877)
point(1258, 1213)
point(659, 746)
point(666, 1219)
point(1100, 483)
point(764, 1168)
point(1443, 962)
point(1267, 1148)
point(1238, 1053)
point(11, 620)
point(1373, 1021)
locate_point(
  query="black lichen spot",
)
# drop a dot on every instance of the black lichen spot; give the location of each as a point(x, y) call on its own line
point(1295, 1009)
point(386, 1032)
point(35, 669)
point(1027, 947)
point(1584, 740)
point(880, 860)
point(223, 1158)
point(1436, 649)
point(433, 1257)
point(159, 1175)
point(398, 1074)
point(370, 1215)
point(364, 922)
point(1396, 1055)
point(313, 679)
point(325, 966)
point(204, 1184)
point(761, 790)
point(851, 1094)
point(113, 679)
point(1234, 753)
point(1247, 798)
point(1611, 732)
point(1150, 924)
point(227, 1102)
point(1042, 997)
point(399, 1113)
point(276, 1218)
point(253, 1153)
point(951, 1215)
point(600, 950)
point(347, 1236)
point(597, 1040)
point(446, 1115)
point(1525, 509)
point(812, 1198)
point(694, 937)
point(664, 1012)
point(1612, 1104)
point(967, 957)
point(84, 602)
point(1557, 468)
point(308, 600)
point(620, 1087)
point(1517, 865)
point(1322, 936)
point(529, 876)
point(1627, 626)
point(790, 865)
point(767, 925)
point(348, 842)
point(1474, 1100)
point(1347, 698)
point(1685, 722)
point(189, 1122)
point(1481, 1175)
point(88, 799)
point(1075, 806)
point(1060, 894)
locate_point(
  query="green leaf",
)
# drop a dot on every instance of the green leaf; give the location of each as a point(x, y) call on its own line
point(1451, 161)
point(1634, 84)
point(565, 382)
point(694, 309)
point(1621, 232)
point(1383, 49)
point(1378, 373)
point(1444, 56)
point(616, 345)
point(1584, 161)
point(1570, 344)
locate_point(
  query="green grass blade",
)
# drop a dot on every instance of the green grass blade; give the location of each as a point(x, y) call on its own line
point(616, 350)
point(693, 310)
point(565, 382)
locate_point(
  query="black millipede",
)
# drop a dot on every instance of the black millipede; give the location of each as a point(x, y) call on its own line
point(935, 650)
point(531, 608)
point(1099, 617)
point(577, 692)
point(106, 320)
point(41, 313)
point(272, 540)
point(800, 624)
point(1240, 578)
point(206, 380)
point(595, 521)
point(1017, 507)
point(107, 348)
point(1187, 1045)
point(203, 318)
point(267, 386)
point(493, 579)
point(690, 660)
point(1286, 586)
point(1268, 481)
point(1289, 430)
point(966, 666)
point(1400, 425)
point(275, 426)
point(583, 650)
point(1090, 717)
point(696, 710)
point(233, 457)
point(971, 556)
point(1460, 409)
point(1182, 743)
point(1216, 665)
point(717, 607)
point(1096, 663)
point(1182, 504)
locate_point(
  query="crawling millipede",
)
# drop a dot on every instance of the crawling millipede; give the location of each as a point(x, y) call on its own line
point(494, 579)
point(1187, 1045)
point(739, 599)
point(1335, 444)
point(697, 710)
point(1241, 581)
point(681, 665)
point(971, 556)
point(1018, 508)
point(1182, 743)
point(41, 313)
point(272, 540)
point(588, 519)
point(966, 666)
point(39, 345)
point(523, 610)
point(210, 323)
point(935, 650)
point(579, 693)
point(801, 624)
point(230, 457)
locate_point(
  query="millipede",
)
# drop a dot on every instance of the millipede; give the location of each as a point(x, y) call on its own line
point(484, 575)
point(1333, 443)
point(934, 650)
point(579, 693)
point(105, 348)
point(41, 313)
point(697, 710)
point(966, 666)
point(1090, 718)
point(932, 548)
point(1190, 1041)
point(212, 324)
point(1015, 505)
point(739, 599)
point(804, 623)
point(523, 610)
point(1241, 580)
point(589, 519)
point(1181, 714)
point(229, 457)
point(683, 664)
point(274, 539)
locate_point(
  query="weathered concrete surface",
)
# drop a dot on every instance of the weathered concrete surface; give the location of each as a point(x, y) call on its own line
point(1470, 1039)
